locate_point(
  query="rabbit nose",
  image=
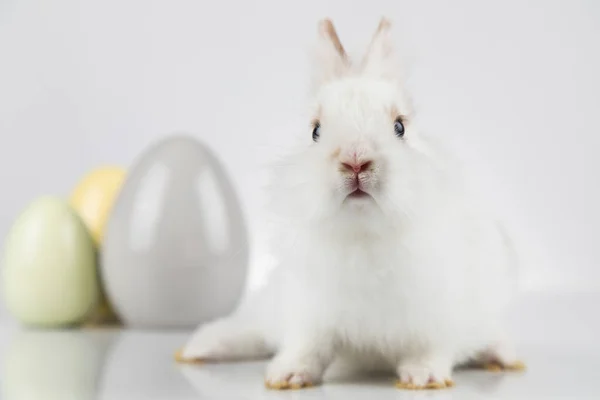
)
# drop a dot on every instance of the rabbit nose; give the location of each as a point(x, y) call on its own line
point(356, 166)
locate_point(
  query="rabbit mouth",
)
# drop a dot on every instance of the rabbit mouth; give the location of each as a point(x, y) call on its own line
point(358, 194)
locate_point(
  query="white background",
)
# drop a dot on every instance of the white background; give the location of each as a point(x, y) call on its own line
point(512, 86)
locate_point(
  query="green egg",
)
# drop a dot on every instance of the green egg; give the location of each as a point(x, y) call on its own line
point(49, 266)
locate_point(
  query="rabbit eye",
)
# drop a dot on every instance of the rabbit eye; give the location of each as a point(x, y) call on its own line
point(399, 127)
point(316, 131)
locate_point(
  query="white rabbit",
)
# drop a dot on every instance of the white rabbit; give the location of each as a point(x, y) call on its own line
point(385, 259)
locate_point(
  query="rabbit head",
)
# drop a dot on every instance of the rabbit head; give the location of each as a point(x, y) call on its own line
point(362, 155)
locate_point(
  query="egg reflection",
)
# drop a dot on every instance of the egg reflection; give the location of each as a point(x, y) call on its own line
point(141, 366)
point(48, 365)
point(175, 250)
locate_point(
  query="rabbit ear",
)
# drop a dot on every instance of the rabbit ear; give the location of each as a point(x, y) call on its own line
point(380, 58)
point(330, 60)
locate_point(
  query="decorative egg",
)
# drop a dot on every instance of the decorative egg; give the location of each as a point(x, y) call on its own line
point(94, 196)
point(175, 250)
point(49, 269)
point(93, 199)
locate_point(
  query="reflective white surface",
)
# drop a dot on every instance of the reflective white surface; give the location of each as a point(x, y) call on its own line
point(557, 341)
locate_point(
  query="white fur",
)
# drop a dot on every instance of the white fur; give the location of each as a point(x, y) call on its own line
point(415, 278)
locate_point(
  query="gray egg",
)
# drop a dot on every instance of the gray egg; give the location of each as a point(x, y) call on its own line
point(175, 250)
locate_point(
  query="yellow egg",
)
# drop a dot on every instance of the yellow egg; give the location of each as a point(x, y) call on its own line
point(49, 266)
point(93, 198)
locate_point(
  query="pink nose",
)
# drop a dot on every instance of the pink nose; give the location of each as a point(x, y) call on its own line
point(356, 166)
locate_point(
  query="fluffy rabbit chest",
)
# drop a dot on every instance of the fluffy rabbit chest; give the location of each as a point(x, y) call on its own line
point(369, 294)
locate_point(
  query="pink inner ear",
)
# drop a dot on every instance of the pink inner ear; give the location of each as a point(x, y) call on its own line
point(329, 58)
point(384, 25)
point(327, 30)
point(380, 58)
